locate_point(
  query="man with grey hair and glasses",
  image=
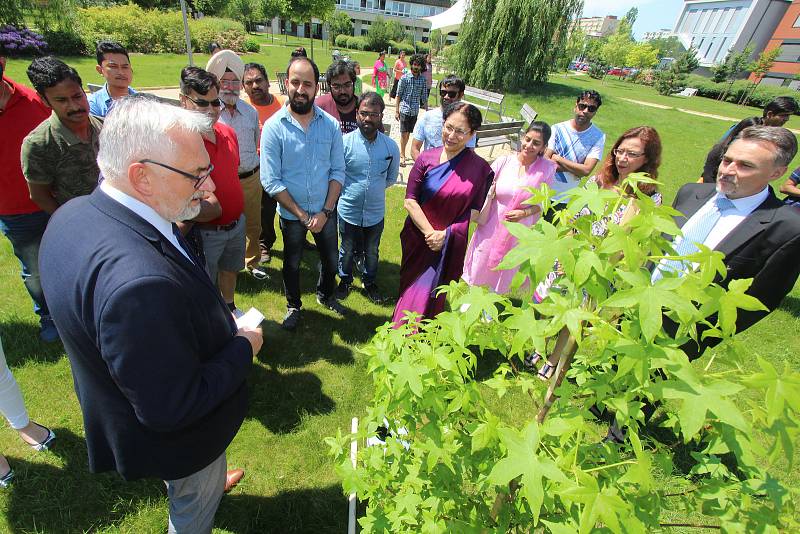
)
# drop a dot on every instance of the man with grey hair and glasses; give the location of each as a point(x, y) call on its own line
point(158, 362)
point(741, 217)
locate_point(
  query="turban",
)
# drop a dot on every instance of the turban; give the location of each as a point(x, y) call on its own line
point(225, 60)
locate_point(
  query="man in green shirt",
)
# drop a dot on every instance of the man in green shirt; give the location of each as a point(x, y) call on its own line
point(59, 157)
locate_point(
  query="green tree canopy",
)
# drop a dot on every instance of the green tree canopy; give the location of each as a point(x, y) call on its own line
point(642, 56)
point(510, 44)
point(615, 51)
point(667, 46)
point(339, 24)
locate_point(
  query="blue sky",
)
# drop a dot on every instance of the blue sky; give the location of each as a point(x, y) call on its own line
point(653, 14)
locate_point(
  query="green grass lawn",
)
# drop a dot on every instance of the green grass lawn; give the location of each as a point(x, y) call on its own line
point(306, 384)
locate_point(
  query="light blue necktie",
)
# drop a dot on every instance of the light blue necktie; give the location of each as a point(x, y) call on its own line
point(698, 233)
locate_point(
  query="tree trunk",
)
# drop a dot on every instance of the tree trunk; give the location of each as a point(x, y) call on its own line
point(565, 349)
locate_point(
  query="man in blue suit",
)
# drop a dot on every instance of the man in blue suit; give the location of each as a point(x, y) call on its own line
point(158, 363)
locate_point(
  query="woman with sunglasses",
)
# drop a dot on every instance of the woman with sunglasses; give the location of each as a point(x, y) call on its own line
point(514, 174)
point(636, 150)
point(445, 186)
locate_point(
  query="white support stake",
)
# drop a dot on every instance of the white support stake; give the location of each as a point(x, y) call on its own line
point(351, 500)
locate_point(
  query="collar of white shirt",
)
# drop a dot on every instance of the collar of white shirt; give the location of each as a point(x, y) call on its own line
point(746, 205)
point(145, 212)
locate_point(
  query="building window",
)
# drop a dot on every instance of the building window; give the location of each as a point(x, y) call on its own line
point(796, 23)
point(790, 53)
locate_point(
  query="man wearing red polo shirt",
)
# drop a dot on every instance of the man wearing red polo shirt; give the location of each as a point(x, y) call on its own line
point(223, 237)
point(21, 220)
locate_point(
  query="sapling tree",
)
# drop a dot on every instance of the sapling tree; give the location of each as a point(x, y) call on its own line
point(460, 457)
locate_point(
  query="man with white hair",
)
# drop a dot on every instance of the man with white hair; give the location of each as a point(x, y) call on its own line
point(158, 363)
point(243, 118)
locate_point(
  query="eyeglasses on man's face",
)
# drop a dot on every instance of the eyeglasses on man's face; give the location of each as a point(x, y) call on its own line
point(370, 114)
point(205, 103)
point(197, 178)
point(341, 86)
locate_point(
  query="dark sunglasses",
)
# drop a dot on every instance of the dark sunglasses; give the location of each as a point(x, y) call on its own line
point(198, 178)
point(588, 107)
point(205, 103)
point(451, 94)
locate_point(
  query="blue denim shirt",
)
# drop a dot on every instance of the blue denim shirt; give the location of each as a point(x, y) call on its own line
point(299, 161)
point(370, 168)
point(100, 102)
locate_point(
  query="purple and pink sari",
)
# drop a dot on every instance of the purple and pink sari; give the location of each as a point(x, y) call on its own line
point(447, 193)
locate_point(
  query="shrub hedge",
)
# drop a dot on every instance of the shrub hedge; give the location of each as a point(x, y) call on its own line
point(360, 43)
point(147, 31)
point(708, 88)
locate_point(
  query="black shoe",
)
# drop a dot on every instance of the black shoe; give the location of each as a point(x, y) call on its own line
point(343, 290)
point(373, 294)
point(291, 319)
point(309, 245)
point(332, 304)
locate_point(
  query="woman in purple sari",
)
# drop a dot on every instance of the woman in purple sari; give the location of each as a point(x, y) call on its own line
point(445, 185)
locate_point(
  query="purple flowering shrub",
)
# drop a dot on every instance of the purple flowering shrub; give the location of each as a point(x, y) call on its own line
point(21, 41)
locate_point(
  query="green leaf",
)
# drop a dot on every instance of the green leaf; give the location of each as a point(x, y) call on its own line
point(407, 374)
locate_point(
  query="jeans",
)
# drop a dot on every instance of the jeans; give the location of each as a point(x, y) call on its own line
point(25, 233)
point(351, 236)
point(294, 235)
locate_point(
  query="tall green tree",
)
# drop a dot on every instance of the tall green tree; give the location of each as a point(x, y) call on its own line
point(642, 56)
point(53, 15)
point(630, 16)
point(302, 11)
point(759, 68)
point(673, 79)
point(270, 9)
point(339, 24)
point(378, 35)
point(510, 44)
point(616, 49)
point(248, 12)
point(667, 46)
point(735, 62)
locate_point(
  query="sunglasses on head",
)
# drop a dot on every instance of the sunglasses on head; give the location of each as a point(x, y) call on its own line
point(587, 107)
point(451, 94)
point(205, 103)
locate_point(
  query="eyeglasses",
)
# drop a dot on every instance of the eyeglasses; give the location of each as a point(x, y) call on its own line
point(451, 94)
point(588, 107)
point(370, 114)
point(230, 83)
point(205, 103)
point(631, 154)
point(458, 132)
point(198, 179)
point(342, 86)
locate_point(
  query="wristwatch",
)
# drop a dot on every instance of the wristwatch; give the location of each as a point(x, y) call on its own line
point(327, 212)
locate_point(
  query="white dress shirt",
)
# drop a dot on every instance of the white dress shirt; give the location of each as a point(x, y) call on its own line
point(729, 220)
point(145, 212)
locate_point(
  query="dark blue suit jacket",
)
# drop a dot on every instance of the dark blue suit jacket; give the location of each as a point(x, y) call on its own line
point(159, 373)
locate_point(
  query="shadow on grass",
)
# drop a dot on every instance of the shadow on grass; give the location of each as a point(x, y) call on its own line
point(307, 510)
point(45, 498)
point(280, 401)
point(21, 343)
point(791, 305)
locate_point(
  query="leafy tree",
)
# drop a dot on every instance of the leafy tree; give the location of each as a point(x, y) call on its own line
point(304, 10)
point(339, 24)
point(53, 15)
point(615, 51)
point(510, 44)
point(395, 31)
point(667, 46)
point(673, 79)
point(248, 12)
point(575, 47)
point(759, 68)
point(272, 8)
point(631, 15)
point(378, 35)
point(455, 460)
point(209, 7)
point(437, 40)
point(735, 63)
point(642, 56)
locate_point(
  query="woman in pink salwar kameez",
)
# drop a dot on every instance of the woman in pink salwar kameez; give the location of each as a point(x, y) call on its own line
point(514, 175)
point(445, 186)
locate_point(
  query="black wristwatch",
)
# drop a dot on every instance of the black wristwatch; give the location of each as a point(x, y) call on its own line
point(327, 212)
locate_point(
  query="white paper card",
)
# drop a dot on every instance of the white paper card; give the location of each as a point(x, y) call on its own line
point(251, 319)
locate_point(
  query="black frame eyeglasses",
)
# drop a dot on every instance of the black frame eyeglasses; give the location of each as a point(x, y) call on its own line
point(205, 103)
point(198, 178)
point(591, 108)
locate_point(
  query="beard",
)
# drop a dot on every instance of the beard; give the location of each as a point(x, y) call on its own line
point(299, 106)
point(189, 211)
point(343, 99)
point(229, 97)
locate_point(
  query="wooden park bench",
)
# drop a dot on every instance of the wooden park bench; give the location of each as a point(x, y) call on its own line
point(494, 101)
point(492, 134)
point(324, 87)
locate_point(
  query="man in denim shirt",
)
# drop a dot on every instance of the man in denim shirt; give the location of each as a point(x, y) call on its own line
point(302, 166)
point(372, 161)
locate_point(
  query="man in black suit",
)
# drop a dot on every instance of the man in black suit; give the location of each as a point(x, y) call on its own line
point(158, 363)
point(759, 234)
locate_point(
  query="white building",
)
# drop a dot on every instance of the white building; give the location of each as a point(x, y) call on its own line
point(598, 26)
point(716, 27)
point(363, 12)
